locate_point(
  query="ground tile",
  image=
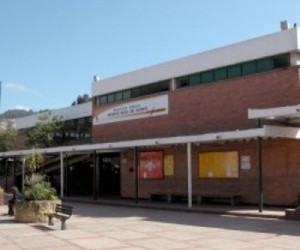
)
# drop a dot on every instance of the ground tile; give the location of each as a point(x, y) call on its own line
point(98, 243)
point(125, 235)
point(225, 244)
point(40, 242)
point(161, 244)
point(282, 241)
point(10, 247)
point(73, 234)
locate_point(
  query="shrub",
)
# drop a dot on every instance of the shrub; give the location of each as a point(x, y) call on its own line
point(1, 190)
point(36, 188)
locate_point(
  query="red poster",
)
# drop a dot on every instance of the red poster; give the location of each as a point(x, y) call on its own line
point(151, 165)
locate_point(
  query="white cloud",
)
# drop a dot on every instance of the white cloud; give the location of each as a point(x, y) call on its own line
point(19, 88)
point(21, 107)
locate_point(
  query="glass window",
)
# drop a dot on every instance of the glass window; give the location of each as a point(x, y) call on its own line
point(136, 92)
point(164, 86)
point(207, 76)
point(182, 82)
point(264, 64)
point(248, 68)
point(281, 61)
point(195, 79)
point(110, 98)
point(234, 71)
point(103, 99)
point(220, 74)
point(119, 96)
point(126, 94)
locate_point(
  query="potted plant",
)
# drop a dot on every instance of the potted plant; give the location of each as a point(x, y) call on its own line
point(39, 197)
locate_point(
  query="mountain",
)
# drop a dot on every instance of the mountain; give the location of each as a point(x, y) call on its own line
point(15, 113)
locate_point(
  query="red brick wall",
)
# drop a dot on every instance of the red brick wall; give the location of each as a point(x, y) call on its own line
point(281, 181)
point(218, 106)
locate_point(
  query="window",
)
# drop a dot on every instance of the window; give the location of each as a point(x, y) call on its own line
point(264, 64)
point(207, 76)
point(119, 96)
point(103, 99)
point(182, 82)
point(220, 74)
point(248, 68)
point(194, 79)
point(126, 94)
point(281, 61)
point(234, 71)
point(110, 98)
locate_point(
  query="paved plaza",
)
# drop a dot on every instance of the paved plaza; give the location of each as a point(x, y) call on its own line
point(95, 226)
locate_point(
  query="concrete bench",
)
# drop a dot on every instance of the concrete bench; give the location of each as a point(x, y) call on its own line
point(232, 199)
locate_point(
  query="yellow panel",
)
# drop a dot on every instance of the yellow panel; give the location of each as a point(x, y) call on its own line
point(169, 164)
point(219, 165)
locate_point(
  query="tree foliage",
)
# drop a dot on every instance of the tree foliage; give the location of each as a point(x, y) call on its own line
point(7, 139)
point(42, 135)
point(81, 99)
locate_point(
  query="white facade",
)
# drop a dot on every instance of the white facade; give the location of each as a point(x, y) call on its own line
point(286, 41)
point(63, 114)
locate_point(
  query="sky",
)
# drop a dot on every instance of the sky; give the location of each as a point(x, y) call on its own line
point(51, 49)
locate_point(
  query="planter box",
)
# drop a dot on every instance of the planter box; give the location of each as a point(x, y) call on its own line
point(1, 198)
point(34, 211)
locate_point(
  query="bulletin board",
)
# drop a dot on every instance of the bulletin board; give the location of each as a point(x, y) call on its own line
point(219, 164)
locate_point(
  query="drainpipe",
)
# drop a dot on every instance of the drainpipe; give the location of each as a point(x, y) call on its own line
point(189, 174)
point(23, 172)
point(136, 176)
point(259, 165)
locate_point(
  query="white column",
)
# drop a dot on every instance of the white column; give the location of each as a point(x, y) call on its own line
point(61, 174)
point(23, 172)
point(189, 174)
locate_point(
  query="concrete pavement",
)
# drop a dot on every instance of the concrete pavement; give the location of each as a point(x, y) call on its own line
point(95, 226)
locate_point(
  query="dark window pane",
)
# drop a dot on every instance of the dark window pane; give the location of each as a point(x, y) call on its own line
point(248, 68)
point(182, 82)
point(103, 99)
point(281, 61)
point(234, 71)
point(207, 76)
point(119, 96)
point(110, 98)
point(195, 79)
point(164, 86)
point(220, 74)
point(264, 64)
point(126, 94)
point(136, 92)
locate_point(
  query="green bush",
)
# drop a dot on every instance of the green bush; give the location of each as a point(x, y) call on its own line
point(36, 188)
point(1, 190)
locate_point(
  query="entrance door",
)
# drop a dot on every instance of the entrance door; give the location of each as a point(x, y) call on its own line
point(109, 174)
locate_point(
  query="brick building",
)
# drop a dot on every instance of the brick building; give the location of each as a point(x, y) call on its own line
point(221, 122)
point(206, 93)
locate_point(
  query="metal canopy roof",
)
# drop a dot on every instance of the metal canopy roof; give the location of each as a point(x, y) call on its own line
point(264, 132)
point(288, 114)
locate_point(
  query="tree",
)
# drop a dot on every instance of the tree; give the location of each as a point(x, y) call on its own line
point(7, 138)
point(42, 135)
point(81, 99)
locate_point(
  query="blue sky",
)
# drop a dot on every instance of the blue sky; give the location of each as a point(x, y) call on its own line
point(50, 49)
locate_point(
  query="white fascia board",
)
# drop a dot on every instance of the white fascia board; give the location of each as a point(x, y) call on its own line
point(268, 45)
point(272, 113)
point(282, 132)
point(265, 132)
point(63, 114)
point(203, 138)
